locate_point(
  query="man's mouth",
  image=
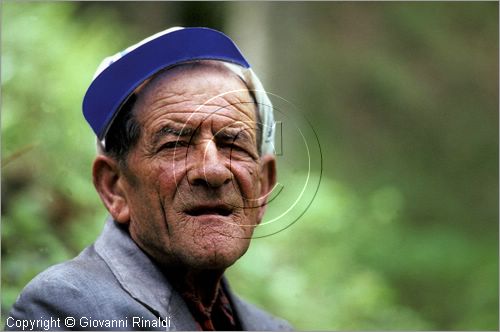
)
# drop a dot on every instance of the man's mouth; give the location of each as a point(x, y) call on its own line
point(220, 210)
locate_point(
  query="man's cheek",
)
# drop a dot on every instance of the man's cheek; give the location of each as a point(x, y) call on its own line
point(168, 176)
point(247, 174)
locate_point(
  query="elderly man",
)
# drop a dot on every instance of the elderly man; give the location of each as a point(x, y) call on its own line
point(185, 164)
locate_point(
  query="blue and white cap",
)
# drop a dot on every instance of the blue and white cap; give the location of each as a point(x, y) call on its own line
point(119, 75)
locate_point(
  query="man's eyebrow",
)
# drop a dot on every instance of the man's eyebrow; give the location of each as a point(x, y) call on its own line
point(233, 133)
point(168, 130)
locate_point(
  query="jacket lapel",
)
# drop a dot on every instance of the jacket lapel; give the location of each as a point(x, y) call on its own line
point(137, 274)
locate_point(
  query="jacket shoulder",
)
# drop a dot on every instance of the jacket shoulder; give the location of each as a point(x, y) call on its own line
point(85, 274)
point(74, 288)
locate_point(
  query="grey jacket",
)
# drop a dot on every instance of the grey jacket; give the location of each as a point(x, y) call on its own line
point(113, 285)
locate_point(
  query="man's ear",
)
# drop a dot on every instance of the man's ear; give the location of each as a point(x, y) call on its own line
point(267, 181)
point(108, 181)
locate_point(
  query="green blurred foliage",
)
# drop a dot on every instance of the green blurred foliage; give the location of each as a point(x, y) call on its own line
point(49, 208)
point(403, 233)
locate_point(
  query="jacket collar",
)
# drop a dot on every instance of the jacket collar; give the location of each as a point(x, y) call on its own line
point(141, 278)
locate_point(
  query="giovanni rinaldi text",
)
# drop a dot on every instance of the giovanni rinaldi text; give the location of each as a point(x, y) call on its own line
point(87, 322)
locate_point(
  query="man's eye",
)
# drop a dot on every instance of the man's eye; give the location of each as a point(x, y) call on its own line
point(234, 146)
point(173, 145)
point(230, 145)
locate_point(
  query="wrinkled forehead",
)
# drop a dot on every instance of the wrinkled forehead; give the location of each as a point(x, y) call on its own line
point(196, 86)
point(207, 70)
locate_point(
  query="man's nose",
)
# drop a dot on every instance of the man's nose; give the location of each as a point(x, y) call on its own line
point(208, 167)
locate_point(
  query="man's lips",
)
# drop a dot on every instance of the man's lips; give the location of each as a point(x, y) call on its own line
point(210, 209)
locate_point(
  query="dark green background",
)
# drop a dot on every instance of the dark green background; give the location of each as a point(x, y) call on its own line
point(403, 233)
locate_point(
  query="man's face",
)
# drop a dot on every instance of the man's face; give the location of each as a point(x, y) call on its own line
point(194, 183)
